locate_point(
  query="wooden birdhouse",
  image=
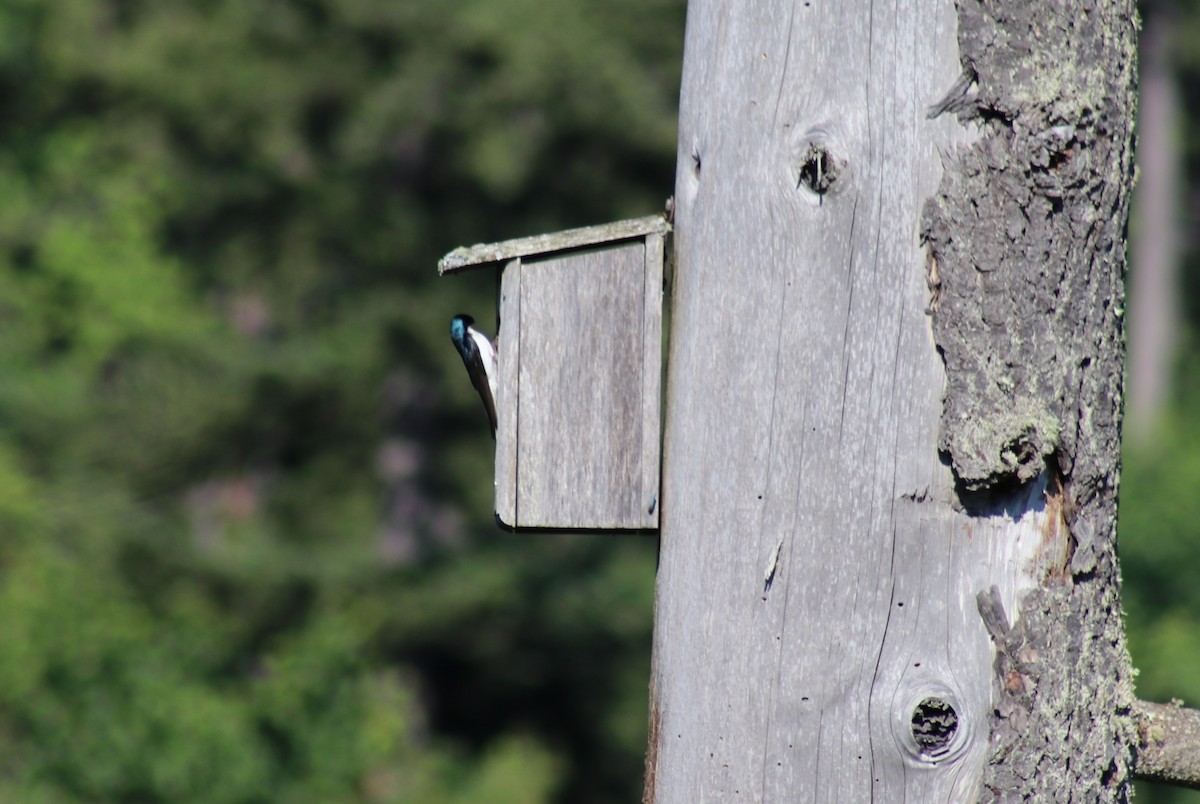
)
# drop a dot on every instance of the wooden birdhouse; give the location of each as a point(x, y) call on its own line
point(579, 342)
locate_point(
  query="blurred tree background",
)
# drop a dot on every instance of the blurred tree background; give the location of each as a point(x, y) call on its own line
point(246, 548)
point(245, 489)
point(1159, 527)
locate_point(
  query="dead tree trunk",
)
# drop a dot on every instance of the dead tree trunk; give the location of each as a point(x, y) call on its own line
point(888, 521)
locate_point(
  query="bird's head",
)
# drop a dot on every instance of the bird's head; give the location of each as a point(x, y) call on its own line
point(458, 329)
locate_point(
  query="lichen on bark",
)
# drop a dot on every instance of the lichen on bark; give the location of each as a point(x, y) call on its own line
point(1027, 230)
point(1026, 237)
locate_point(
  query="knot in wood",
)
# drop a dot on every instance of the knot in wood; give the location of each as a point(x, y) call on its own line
point(818, 169)
point(934, 724)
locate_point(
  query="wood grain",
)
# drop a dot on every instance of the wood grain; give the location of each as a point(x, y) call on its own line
point(579, 398)
point(482, 254)
point(651, 371)
point(817, 582)
point(508, 361)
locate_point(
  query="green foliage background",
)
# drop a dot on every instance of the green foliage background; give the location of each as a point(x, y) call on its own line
point(246, 551)
point(1159, 519)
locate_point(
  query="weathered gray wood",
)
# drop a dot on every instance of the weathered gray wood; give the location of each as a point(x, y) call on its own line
point(576, 452)
point(578, 397)
point(487, 253)
point(508, 359)
point(819, 569)
point(580, 361)
point(652, 349)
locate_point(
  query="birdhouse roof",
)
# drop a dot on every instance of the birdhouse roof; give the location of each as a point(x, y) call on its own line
point(484, 254)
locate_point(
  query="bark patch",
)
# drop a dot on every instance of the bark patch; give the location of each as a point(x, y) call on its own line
point(1026, 241)
point(1026, 233)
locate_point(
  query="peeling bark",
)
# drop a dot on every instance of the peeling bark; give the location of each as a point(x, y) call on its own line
point(1026, 240)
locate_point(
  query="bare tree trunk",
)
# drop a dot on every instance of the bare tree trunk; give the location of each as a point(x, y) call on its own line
point(1153, 318)
point(887, 568)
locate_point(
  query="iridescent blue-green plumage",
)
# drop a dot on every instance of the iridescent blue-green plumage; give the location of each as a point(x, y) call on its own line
point(479, 356)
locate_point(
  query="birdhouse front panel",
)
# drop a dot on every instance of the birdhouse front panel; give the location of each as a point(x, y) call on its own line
point(579, 422)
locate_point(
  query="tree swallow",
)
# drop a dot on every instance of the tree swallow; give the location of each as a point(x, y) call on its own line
point(479, 356)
